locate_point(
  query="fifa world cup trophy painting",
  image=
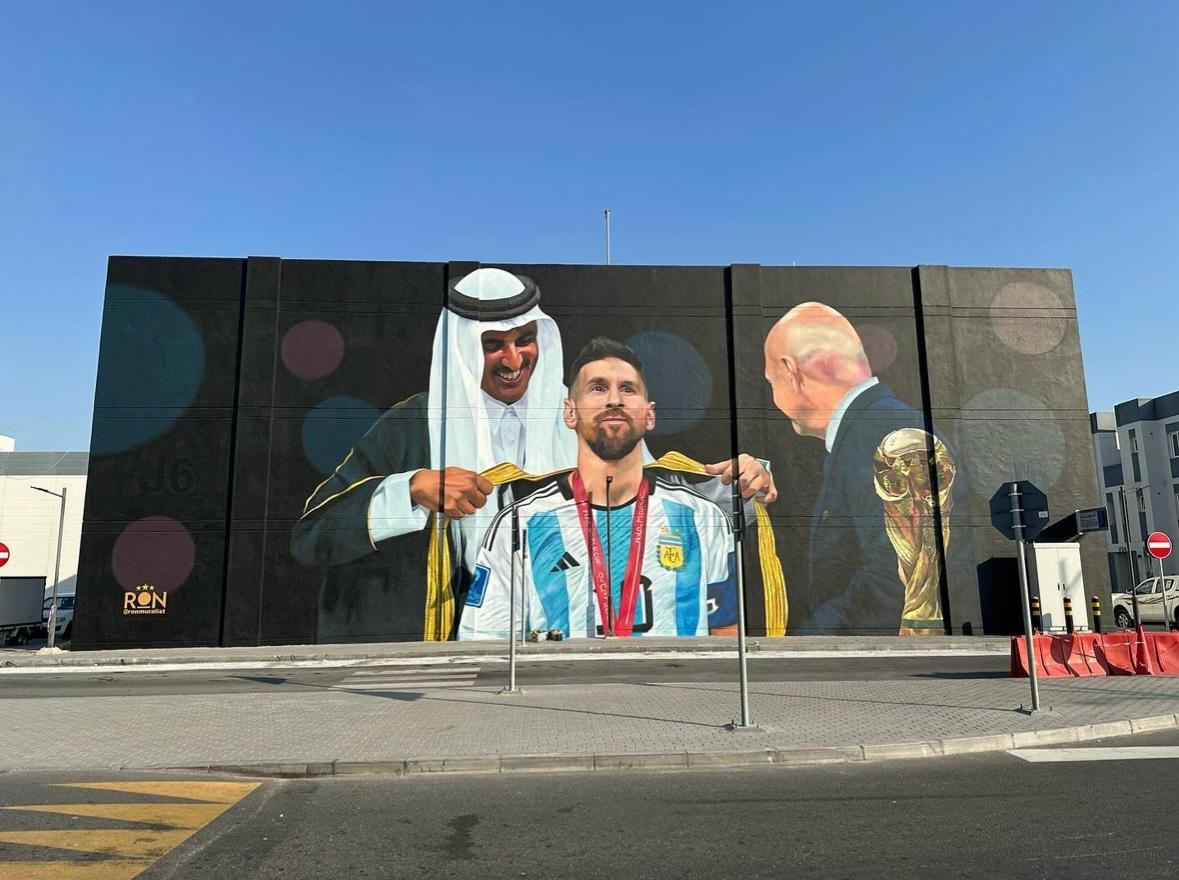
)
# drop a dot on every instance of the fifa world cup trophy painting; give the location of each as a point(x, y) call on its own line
point(905, 466)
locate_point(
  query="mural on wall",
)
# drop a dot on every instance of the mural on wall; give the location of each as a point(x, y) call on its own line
point(880, 523)
point(429, 475)
point(343, 451)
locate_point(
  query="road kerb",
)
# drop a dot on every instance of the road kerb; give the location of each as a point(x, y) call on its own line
point(1155, 722)
point(969, 745)
point(897, 751)
point(645, 761)
point(804, 756)
point(781, 757)
point(545, 763)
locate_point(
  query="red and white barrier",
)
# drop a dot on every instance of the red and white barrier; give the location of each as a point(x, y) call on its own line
point(1084, 654)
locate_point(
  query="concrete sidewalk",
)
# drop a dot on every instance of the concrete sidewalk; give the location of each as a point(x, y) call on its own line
point(300, 730)
point(345, 654)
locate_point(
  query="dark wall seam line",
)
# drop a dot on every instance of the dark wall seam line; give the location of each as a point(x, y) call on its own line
point(237, 391)
point(927, 418)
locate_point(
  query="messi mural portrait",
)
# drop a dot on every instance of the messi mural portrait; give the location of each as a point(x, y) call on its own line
point(379, 451)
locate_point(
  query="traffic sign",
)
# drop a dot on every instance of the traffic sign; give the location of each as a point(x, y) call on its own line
point(1158, 545)
point(4, 554)
point(1032, 502)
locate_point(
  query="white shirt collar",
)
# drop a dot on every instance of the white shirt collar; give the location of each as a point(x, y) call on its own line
point(845, 402)
point(497, 411)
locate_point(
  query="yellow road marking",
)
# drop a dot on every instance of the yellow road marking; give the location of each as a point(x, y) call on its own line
point(214, 792)
point(107, 842)
point(131, 850)
point(59, 870)
point(190, 816)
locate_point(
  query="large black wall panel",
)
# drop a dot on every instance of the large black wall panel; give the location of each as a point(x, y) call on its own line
point(157, 489)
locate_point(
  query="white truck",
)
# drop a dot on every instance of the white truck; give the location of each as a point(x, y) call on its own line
point(1155, 604)
point(21, 599)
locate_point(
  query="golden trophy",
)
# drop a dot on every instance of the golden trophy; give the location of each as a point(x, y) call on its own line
point(903, 464)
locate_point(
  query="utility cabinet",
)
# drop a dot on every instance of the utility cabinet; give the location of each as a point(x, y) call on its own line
point(1054, 572)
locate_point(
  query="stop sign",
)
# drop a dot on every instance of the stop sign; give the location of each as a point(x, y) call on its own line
point(4, 554)
point(1158, 545)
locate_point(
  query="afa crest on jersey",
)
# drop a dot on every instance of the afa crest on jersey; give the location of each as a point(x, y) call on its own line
point(671, 549)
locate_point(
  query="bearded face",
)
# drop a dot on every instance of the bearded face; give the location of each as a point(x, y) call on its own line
point(608, 408)
point(612, 434)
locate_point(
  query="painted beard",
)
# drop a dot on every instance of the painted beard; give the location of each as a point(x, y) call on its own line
point(609, 447)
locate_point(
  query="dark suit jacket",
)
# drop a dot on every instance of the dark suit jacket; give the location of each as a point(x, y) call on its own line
point(852, 582)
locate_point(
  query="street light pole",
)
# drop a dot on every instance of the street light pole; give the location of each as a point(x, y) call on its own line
point(57, 564)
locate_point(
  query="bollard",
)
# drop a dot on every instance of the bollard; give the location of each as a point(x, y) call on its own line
point(1037, 623)
point(1068, 615)
point(1095, 604)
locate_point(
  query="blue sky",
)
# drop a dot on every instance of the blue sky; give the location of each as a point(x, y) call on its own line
point(999, 134)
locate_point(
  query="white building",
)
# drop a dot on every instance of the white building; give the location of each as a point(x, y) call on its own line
point(1137, 453)
point(29, 518)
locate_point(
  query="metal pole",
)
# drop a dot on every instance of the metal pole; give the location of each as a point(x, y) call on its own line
point(609, 565)
point(523, 593)
point(1129, 554)
point(607, 215)
point(738, 565)
point(1163, 586)
point(56, 568)
point(512, 602)
point(1024, 594)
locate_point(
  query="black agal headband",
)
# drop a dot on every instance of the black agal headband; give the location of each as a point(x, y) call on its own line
point(489, 294)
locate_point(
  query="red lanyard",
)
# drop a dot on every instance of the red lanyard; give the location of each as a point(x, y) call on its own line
point(625, 621)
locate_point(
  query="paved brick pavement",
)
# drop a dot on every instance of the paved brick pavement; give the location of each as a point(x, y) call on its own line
point(662, 718)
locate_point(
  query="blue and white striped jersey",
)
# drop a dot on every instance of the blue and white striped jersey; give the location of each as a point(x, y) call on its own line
point(686, 570)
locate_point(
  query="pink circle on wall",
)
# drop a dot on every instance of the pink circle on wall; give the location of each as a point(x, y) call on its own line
point(879, 345)
point(156, 550)
point(312, 349)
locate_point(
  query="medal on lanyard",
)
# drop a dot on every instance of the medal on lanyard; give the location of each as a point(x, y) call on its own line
point(625, 621)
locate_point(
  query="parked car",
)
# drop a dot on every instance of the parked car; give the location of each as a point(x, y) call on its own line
point(1154, 606)
point(64, 621)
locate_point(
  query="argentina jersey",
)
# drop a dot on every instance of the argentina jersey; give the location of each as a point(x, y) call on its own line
point(686, 570)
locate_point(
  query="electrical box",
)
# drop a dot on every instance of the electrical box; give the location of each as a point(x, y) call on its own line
point(1054, 573)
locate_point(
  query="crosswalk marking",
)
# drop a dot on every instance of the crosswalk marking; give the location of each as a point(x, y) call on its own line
point(401, 679)
point(127, 851)
point(1117, 753)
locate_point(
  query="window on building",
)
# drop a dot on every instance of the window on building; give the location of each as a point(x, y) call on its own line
point(1141, 500)
point(1133, 440)
point(1111, 512)
point(1173, 439)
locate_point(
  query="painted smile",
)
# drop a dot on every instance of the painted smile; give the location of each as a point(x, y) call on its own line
point(510, 377)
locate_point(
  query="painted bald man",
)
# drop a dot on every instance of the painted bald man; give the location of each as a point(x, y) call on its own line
point(875, 560)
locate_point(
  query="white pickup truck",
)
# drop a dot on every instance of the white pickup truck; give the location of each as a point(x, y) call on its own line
point(1154, 605)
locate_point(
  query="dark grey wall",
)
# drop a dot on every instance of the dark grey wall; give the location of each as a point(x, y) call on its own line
point(229, 448)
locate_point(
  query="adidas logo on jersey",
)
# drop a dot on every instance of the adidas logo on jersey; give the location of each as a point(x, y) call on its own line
point(565, 563)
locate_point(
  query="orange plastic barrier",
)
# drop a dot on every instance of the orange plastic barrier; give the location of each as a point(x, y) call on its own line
point(1086, 654)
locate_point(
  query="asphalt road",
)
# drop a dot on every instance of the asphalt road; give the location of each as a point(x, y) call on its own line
point(488, 674)
point(985, 816)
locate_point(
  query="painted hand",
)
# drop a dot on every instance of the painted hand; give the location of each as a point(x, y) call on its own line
point(457, 492)
point(754, 478)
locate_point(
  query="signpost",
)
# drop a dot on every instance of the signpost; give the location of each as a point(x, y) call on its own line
point(1158, 545)
point(4, 555)
point(1027, 512)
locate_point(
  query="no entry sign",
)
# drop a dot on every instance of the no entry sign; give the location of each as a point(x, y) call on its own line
point(1158, 545)
point(4, 554)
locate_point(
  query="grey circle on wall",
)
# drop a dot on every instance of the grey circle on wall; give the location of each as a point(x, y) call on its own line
point(153, 362)
point(332, 428)
point(678, 379)
point(1029, 318)
point(1007, 434)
